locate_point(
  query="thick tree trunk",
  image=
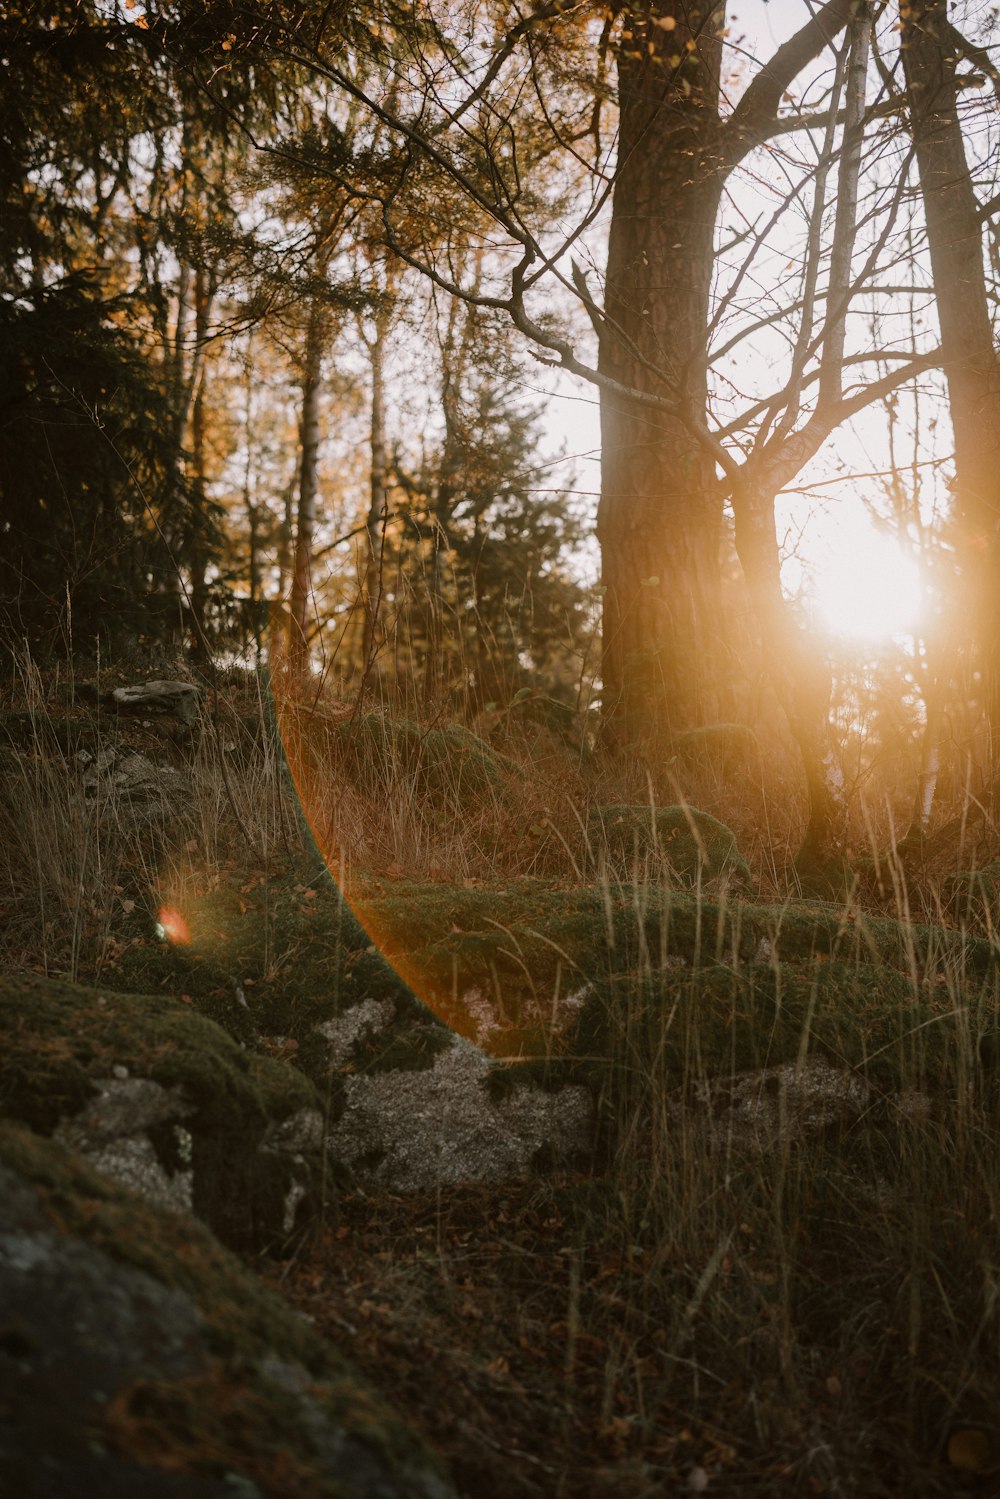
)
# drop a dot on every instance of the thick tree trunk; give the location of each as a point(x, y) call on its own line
point(305, 521)
point(660, 515)
point(954, 235)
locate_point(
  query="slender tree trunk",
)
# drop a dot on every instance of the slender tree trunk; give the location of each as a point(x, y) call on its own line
point(660, 514)
point(954, 236)
point(377, 503)
point(305, 518)
point(200, 548)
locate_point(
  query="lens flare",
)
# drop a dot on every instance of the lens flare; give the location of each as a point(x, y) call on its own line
point(171, 925)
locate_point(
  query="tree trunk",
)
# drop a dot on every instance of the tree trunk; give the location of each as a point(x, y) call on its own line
point(305, 521)
point(801, 681)
point(201, 547)
point(660, 514)
point(377, 503)
point(954, 235)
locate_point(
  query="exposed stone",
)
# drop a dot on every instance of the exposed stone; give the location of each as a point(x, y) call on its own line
point(133, 1163)
point(179, 698)
point(368, 1018)
point(132, 780)
point(759, 1110)
point(413, 1130)
point(197, 1124)
point(300, 1134)
point(123, 1106)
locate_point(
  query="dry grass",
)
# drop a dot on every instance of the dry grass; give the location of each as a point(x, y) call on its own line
point(817, 1319)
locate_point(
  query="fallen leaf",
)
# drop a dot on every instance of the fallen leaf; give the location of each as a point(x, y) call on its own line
point(970, 1450)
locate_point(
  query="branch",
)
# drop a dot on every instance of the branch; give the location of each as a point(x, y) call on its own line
point(782, 458)
point(754, 117)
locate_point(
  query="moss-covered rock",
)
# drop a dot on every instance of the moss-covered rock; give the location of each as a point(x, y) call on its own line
point(697, 847)
point(137, 1356)
point(724, 747)
point(70, 1057)
point(715, 1021)
point(527, 948)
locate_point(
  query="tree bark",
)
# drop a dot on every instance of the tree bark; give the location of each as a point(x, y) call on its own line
point(801, 680)
point(660, 514)
point(377, 502)
point(931, 52)
point(305, 521)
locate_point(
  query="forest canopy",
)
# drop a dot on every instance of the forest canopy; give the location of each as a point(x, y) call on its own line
point(291, 294)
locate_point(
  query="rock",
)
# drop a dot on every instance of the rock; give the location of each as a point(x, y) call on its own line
point(761, 1110)
point(370, 1017)
point(130, 782)
point(198, 1122)
point(138, 1357)
point(413, 1130)
point(112, 1133)
point(179, 698)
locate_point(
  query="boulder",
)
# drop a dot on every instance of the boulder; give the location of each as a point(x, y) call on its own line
point(412, 1129)
point(133, 786)
point(138, 1357)
point(162, 1099)
point(181, 699)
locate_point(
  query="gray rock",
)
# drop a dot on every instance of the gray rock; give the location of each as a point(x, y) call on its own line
point(412, 1130)
point(129, 779)
point(760, 1110)
point(361, 1020)
point(123, 1106)
point(179, 698)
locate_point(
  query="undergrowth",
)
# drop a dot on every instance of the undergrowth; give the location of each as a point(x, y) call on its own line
point(704, 1310)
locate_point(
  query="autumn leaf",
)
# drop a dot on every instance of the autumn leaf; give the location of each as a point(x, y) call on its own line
point(970, 1450)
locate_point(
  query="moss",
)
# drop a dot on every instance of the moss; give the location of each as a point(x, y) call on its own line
point(59, 1037)
point(412, 1047)
point(528, 940)
point(697, 846)
point(711, 1021)
point(724, 746)
point(506, 1079)
point(973, 896)
point(234, 1415)
point(291, 945)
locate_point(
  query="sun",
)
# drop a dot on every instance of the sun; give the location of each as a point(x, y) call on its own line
point(867, 586)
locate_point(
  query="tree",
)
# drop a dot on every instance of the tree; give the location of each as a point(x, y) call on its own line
point(484, 598)
point(932, 51)
point(669, 465)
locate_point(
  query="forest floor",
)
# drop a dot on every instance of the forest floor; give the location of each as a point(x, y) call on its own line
point(820, 1320)
point(526, 1340)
